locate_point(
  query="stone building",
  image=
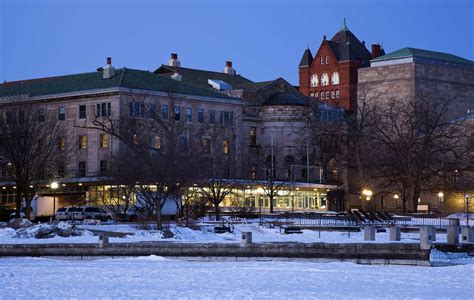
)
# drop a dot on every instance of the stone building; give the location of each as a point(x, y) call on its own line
point(331, 74)
point(266, 118)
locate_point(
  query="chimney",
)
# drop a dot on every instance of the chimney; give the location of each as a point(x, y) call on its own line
point(176, 75)
point(173, 61)
point(376, 50)
point(324, 37)
point(108, 71)
point(363, 43)
point(228, 68)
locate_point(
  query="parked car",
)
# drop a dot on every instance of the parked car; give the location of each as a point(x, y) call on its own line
point(64, 213)
point(91, 212)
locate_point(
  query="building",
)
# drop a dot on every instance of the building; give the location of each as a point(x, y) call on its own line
point(331, 74)
point(265, 118)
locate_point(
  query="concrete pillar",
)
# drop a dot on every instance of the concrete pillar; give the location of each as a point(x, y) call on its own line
point(467, 234)
point(394, 233)
point(246, 238)
point(434, 233)
point(369, 233)
point(426, 237)
point(103, 240)
point(452, 232)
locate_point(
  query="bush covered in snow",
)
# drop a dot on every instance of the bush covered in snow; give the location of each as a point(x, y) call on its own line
point(42, 231)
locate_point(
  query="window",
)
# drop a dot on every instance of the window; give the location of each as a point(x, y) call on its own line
point(183, 144)
point(289, 167)
point(322, 60)
point(327, 95)
point(201, 115)
point(152, 111)
point(322, 96)
point(212, 116)
point(337, 94)
point(206, 145)
point(104, 140)
point(61, 143)
point(61, 169)
point(103, 109)
point(314, 80)
point(103, 167)
point(189, 114)
point(82, 111)
point(62, 113)
point(157, 142)
point(253, 172)
point(253, 136)
point(83, 142)
point(270, 167)
point(136, 109)
point(316, 95)
point(82, 169)
point(135, 139)
point(333, 94)
point(312, 94)
point(327, 60)
point(177, 113)
point(227, 118)
point(325, 79)
point(164, 112)
point(41, 115)
point(335, 78)
point(225, 147)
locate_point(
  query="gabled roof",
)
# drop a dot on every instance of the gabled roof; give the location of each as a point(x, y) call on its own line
point(283, 98)
point(200, 77)
point(307, 58)
point(424, 54)
point(124, 78)
point(346, 46)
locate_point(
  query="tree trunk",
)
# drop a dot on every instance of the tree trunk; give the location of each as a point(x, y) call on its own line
point(159, 219)
point(27, 205)
point(416, 196)
point(18, 202)
point(217, 211)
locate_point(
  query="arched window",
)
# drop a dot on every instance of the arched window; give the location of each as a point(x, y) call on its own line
point(289, 167)
point(327, 95)
point(316, 95)
point(325, 79)
point(335, 78)
point(314, 80)
point(312, 94)
point(337, 94)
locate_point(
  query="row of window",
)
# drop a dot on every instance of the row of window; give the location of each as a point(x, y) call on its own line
point(103, 109)
point(82, 139)
point(326, 95)
point(324, 79)
point(137, 110)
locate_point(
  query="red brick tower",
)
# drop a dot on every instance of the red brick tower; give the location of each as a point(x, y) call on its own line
point(331, 75)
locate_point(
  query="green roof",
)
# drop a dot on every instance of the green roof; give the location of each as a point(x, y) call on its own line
point(424, 54)
point(200, 77)
point(124, 78)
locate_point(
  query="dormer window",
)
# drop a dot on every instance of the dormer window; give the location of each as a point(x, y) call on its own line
point(314, 80)
point(327, 60)
point(324, 79)
point(335, 78)
point(322, 60)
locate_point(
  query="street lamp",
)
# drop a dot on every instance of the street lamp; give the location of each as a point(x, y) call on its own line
point(54, 186)
point(467, 197)
point(367, 193)
point(440, 199)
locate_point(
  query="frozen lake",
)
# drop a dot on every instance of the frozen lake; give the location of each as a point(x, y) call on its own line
point(156, 277)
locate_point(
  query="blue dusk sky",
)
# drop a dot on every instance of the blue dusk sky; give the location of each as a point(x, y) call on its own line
point(264, 39)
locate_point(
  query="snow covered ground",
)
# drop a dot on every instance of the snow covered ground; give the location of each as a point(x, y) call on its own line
point(156, 277)
point(206, 235)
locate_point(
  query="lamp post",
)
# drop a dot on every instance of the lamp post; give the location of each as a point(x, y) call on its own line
point(467, 197)
point(367, 193)
point(54, 186)
point(440, 199)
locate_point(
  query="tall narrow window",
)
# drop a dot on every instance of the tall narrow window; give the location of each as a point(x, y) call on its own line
point(324, 79)
point(335, 78)
point(322, 96)
point(82, 111)
point(105, 109)
point(104, 140)
point(157, 142)
point(61, 143)
point(177, 113)
point(212, 116)
point(189, 114)
point(253, 172)
point(103, 168)
point(62, 113)
point(314, 80)
point(201, 115)
point(225, 146)
point(337, 94)
point(135, 139)
point(333, 94)
point(82, 170)
point(41, 115)
point(206, 145)
point(253, 136)
point(327, 60)
point(61, 169)
point(322, 60)
point(83, 142)
point(164, 112)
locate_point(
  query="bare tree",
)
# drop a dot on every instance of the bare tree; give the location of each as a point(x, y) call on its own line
point(33, 143)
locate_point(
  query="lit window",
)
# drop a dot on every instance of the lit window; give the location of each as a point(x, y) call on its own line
point(253, 136)
point(314, 80)
point(324, 79)
point(62, 143)
point(83, 142)
point(157, 142)
point(225, 147)
point(337, 94)
point(335, 78)
point(104, 140)
point(135, 139)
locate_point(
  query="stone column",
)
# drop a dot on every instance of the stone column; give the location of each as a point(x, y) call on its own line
point(369, 233)
point(426, 237)
point(452, 232)
point(103, 240)
point(394, 233)
point(467, 234)
point(246, 238)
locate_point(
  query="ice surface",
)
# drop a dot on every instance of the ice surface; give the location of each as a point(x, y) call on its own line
point(156, 277)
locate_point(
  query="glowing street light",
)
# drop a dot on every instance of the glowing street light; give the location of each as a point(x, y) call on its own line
point(54, 186)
